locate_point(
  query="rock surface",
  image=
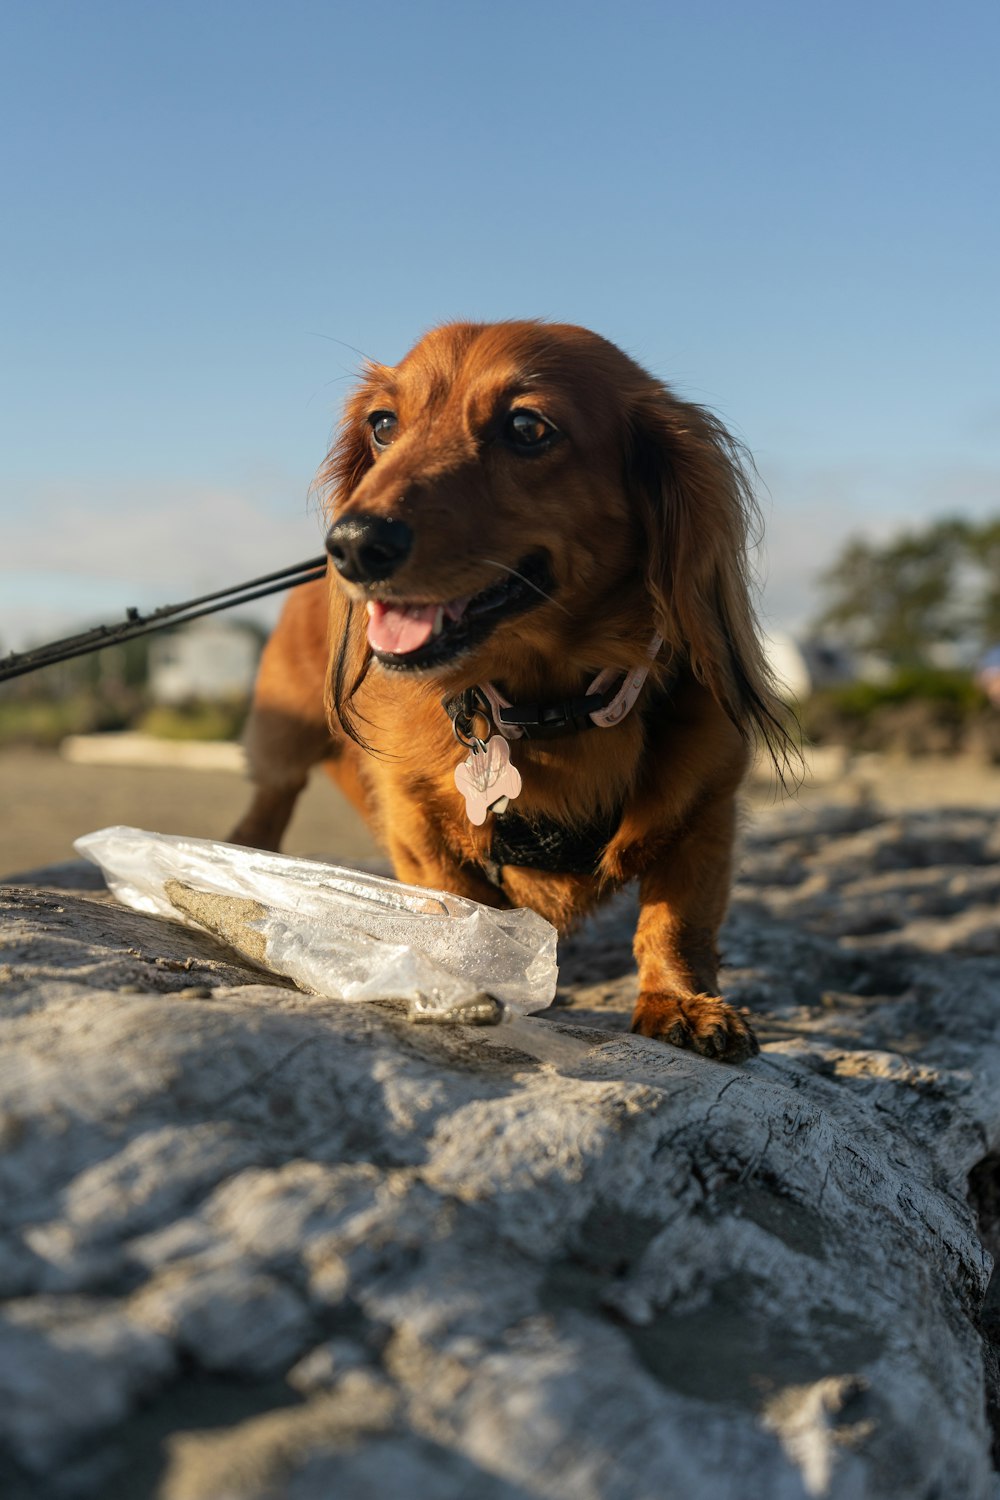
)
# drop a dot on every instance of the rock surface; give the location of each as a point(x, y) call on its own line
point(257, 1244)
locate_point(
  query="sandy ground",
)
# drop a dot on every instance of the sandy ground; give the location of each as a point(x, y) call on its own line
point(46, 802)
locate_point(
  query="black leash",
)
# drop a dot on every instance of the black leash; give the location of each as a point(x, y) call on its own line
point(17, 663)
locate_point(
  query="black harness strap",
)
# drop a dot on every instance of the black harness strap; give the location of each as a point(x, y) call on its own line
point(543, 844)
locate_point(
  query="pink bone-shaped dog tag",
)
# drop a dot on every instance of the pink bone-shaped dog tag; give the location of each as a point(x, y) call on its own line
point(486, 778)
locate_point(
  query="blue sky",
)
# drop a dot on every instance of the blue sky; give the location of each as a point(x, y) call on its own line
point(790, 211)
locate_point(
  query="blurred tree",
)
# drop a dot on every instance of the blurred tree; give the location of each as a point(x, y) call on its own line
point(986, 551)
point(903, 598)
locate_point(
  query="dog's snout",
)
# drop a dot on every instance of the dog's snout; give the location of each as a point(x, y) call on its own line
point(367, 548)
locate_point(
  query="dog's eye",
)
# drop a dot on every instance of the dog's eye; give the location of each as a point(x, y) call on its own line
point(383, 425)
point(527, 431)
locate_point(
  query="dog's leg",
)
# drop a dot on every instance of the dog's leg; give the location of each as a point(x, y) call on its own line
point(683, 900)
point(443, 873)
point(286, 733)
point(562, 899)
point(422, 852)
point(281, 752)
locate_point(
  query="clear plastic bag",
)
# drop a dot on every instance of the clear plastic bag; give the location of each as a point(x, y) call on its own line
point(335, 931)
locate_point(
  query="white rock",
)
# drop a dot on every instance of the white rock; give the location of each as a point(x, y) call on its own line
point(548, 1259)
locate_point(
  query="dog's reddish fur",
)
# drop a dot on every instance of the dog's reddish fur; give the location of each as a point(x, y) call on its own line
point(642, 509)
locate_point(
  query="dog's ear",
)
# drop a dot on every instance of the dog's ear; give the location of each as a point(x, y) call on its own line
point(350, 456)
point(691, 482)
point(345, 466)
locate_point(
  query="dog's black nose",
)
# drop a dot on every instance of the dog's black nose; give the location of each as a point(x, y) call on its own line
point(367, 548)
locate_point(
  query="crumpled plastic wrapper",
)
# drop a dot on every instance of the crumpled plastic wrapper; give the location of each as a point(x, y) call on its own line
point(335, 931)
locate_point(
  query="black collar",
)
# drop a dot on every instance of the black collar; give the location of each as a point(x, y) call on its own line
point(536, 721)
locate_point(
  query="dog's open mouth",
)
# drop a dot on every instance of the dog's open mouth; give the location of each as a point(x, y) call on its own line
point(411, 636)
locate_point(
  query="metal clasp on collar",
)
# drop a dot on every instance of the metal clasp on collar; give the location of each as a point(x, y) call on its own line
point(464, 711)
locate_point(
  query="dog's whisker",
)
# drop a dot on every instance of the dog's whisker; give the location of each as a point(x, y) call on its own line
point(311, 333)
point(491, 562)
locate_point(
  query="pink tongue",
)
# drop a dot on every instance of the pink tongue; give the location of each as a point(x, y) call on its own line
point(400, 630)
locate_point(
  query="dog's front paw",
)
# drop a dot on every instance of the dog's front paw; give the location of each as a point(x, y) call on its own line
point(702, 1023)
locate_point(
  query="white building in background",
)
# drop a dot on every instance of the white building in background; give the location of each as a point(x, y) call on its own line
point(209, 659)
point(802, 667)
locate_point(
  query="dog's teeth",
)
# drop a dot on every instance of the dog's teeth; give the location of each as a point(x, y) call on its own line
point(438, 624)
point(370, 607)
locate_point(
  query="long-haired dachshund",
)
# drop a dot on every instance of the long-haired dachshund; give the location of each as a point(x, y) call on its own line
point(535, 666)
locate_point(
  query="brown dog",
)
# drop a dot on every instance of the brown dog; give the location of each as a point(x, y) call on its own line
point(523, 521)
